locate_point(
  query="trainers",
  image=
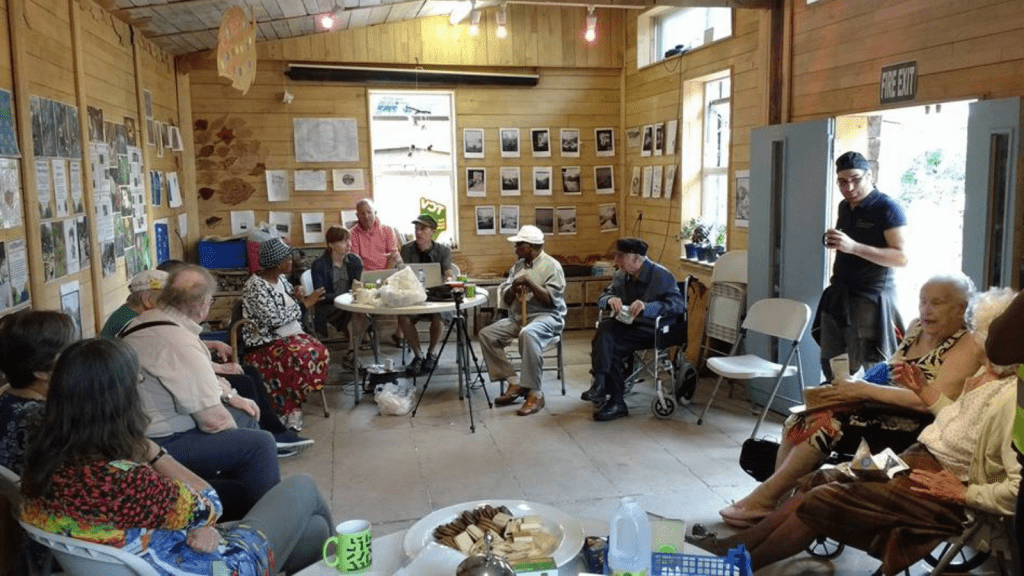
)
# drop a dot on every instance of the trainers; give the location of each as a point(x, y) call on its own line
point(414, 368)
point(287, 452)
point(429, 362)
point(293, 420)
point(291, 440)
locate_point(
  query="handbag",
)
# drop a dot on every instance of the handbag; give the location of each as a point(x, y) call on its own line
point(757, 457)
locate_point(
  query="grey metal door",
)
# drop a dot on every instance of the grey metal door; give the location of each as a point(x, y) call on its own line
point(993, 149)
point(790, 179)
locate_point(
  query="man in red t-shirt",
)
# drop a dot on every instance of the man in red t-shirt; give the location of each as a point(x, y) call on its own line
point(375, 243)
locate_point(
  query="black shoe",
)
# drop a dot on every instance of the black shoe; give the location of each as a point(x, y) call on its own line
point(429, 362)
point(611, 411)
point(414, 368)
point(595, 394)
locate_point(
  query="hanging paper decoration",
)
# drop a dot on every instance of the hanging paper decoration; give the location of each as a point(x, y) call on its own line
point(236, 49)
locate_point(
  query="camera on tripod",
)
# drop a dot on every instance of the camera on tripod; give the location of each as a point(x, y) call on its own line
point(458, 295)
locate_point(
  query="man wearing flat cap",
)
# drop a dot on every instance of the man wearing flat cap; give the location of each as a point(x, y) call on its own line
point(857, 312)
point(534, 294)
point(423, 250)
point(640, 291)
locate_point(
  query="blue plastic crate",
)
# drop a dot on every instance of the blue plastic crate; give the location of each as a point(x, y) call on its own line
point(735, 563)
point(222, 254)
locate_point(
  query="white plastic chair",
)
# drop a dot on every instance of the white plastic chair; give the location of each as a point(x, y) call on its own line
point(10, 489)
point(727, 301)
point(307, 281)
point(778, 317)
point(81, 558)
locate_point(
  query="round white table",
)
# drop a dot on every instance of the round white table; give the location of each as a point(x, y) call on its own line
point(389, 555)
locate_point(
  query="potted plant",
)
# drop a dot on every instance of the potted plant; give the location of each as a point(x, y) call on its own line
point(687, 233)
point(719, 241)
point(701, 238)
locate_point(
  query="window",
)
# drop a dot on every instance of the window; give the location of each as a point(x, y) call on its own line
point(715, 167)
point(663, 29)
point(412, 137)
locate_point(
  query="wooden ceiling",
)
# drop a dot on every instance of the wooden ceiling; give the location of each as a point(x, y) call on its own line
point(185, 26)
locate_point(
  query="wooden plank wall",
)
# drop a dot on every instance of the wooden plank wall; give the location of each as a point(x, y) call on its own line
point(654, 94)
point(583, 96)
point(47, 61)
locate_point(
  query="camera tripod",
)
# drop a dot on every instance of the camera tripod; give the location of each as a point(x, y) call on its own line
point(463, 354)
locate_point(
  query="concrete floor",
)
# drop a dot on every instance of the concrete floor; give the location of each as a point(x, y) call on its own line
point(393, 470)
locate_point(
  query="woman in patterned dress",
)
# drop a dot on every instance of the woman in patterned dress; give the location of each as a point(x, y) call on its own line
point(292, 363)
point(934, 343)
point(92, 474)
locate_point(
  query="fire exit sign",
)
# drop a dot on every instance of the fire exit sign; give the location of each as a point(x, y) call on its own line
point(898, 83)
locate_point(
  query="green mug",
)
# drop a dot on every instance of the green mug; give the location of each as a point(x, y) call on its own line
point(470, 290)
point(352, 546)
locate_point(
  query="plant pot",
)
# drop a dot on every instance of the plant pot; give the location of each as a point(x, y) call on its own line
point(702, 253)
point(720, 249)
point(712, 254)
point(691, 250)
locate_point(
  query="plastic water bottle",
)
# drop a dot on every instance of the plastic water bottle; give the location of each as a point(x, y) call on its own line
point(422, 275)
point(629, 544)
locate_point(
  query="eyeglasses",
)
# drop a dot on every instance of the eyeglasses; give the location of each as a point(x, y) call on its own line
point(521, 244)
point(852, 182)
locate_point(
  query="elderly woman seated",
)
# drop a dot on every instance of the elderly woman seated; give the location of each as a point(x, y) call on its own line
point(962, 460)
point(91, 473)
point(934, 343)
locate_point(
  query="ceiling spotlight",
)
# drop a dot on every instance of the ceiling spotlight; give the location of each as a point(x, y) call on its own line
point(328, 20)
point(502, 19)
point(474, 22)
point(591, 34)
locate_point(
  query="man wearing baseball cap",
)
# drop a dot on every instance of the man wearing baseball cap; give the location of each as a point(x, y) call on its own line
point(536, 284)
point(142, 292)
point(857, 312)
point(423, 250)
point(640, 291)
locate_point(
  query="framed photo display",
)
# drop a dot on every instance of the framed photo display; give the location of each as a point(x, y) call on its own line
point(542, 180)
point(604, 179)
point(604, 139)
point(473, 143)
point(476, 182)
point(485, 221)
point(509, 138)
point(540, 142)
point(571, 180)
point(510, 181)
point(570, 143)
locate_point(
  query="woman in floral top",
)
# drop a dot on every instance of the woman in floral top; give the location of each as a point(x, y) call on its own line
point(94, 475)
point(292, 363)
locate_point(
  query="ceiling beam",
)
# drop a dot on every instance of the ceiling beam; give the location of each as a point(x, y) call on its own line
point(627, 4)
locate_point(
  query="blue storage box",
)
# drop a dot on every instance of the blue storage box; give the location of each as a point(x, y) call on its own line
point(222, 254)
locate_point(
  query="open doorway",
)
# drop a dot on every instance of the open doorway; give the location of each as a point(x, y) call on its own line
point(920, 157)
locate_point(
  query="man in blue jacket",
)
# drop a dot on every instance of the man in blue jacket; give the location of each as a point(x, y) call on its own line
point(640, 291)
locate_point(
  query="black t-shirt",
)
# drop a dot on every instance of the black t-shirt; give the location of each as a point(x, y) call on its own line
point(867, 224)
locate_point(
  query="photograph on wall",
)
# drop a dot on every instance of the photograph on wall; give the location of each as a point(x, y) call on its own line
point(509, 142)
point(659, 139)
point(71, 245)
point(74, 131)
point(648, 145)
point(571, 183)
point(473, 142)
point(540, 142)
point(742, 199)
point(277, 185)
point(10, 193)
point(510, 181)
point(161, 237)
point(95, 124)
point(671, 133)
point(47, 248)
point(646, 186)
point(542, 180)
point(71, 304)
point(313, 227)
point(8, 137)
point(35, 104)
point(173, 190)
point(44, 189)
point(183, 226)
point(165, 135)
point(108, 258)
point(509, 220)
point(60, 122)
point(607, 217)
point(156, 195)
point(634, 182)
point(84, 247)
point(605, 141)
point(120, 139)
point(174, 137)
point(348, 218)
point(281, 222)
point(348, 179)
point(656, 181)
point(565, 219)
point(127, 205)
point(476, 182)
point(485, 224)
point(17, 263)
point(75, 186)
point(242, 221)
point(121, 235)
point(634, 136)
point(49, 128)
point(310, 180)
point(147, 103)
point(570, 143)
point(60, 249)
point(670, 180)
point(544, 218)
point(604, 179)
point(326, 140)
point(130, 134)
point(157, 130)
point(60, 187)
point(5, 279)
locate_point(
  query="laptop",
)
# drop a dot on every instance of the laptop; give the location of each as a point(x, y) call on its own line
point(431, 273)
point(376, 276)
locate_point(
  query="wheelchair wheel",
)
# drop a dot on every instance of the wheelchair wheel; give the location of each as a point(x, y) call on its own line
point(686, 379)
point(966, 560)
point(663, 408)
point(825, 547)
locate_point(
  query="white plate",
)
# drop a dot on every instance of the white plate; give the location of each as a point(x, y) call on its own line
point(566, 529)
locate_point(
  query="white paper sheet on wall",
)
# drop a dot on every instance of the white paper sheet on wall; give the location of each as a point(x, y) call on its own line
point(277, 185)
point(282, 222)
point(183, 226)
point(173, 192)
point(242, 221)
point(314, 180)
point(313, 227)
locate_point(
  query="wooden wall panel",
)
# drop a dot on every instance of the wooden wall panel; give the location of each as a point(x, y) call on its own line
point(654, 95)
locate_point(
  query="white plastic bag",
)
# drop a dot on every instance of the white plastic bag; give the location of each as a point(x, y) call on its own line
point(394, 399)
point(402, 289)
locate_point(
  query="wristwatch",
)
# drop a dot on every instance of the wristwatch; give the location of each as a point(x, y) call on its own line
point(227, 397)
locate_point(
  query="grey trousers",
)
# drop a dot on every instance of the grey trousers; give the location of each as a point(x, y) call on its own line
point(296, 521)
point(533, 339)
point(861, 339)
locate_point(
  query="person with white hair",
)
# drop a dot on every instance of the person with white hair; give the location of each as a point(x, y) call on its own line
point(373, 242)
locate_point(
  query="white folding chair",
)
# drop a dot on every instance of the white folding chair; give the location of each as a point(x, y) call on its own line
point(727, 301)
point(10, 489)
point(778, 317)
point(81, 558)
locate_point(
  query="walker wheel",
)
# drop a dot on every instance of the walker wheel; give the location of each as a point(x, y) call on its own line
point(663, 408)
point(825, 547)
point(966, 560)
